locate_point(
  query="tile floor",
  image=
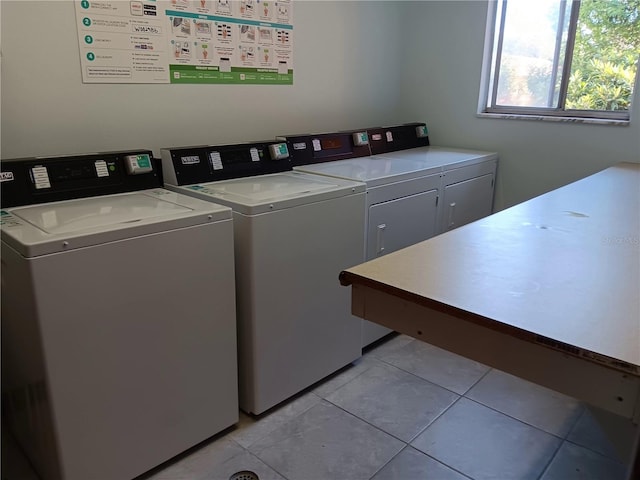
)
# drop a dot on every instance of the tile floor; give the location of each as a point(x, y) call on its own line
point(406, 411)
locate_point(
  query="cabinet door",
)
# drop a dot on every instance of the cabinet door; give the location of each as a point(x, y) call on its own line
point(467, 201)
point(398, 223)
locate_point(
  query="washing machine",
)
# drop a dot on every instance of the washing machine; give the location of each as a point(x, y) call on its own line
point(118, 315)
point(293, 232)
point(404, 178)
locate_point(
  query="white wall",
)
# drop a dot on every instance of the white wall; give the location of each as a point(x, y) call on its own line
point(345, 76)
point(356, 64)
point(442, 61)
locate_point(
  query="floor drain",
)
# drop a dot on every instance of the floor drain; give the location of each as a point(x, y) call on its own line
point(244, 475)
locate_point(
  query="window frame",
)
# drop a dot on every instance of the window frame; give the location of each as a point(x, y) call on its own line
point(491, 66)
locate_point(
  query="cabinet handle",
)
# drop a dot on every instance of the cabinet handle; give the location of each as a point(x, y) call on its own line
point(380, 238)
point(452, 207)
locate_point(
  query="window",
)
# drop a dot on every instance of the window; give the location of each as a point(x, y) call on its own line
point(561, 58)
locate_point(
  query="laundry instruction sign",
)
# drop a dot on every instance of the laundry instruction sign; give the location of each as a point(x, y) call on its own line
point(186, 41)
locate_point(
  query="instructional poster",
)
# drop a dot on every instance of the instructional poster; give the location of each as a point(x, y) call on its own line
point(186, 41)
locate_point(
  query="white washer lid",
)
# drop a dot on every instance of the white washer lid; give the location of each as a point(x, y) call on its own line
point(265, 193)
point(96, 212)
point(259, 190)
point(61, 226)
point(375, 170)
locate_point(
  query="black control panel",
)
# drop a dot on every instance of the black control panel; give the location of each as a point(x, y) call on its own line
point(27, 181)
point(307, 149)
point(202, 164)
point(399, 137)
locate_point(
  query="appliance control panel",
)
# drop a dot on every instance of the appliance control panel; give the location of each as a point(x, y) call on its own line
point(307, 149)
point(137, 164)
point(399, 137)
point(27, 181)
point(279, 151)
point(360, 138)
point(210, 163)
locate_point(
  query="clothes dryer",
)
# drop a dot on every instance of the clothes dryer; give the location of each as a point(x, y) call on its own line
point(467, 176)
point(294, 233)
point(118, 315)
point(407, 181)
point(402, 194)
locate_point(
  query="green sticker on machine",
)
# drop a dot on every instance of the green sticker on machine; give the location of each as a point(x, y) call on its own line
point(3, 213)
point(144, 161)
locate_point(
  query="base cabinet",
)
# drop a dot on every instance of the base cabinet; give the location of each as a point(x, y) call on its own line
point(467, 195)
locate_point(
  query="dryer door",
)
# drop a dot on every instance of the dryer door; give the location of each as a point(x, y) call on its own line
point(401, 222)
point(467, 201)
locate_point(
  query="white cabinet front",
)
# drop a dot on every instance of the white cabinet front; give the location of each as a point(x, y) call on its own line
point(467, 201)
point(398, 223)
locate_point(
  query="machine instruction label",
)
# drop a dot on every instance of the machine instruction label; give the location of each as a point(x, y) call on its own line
point(186, 41)
point(8, 220)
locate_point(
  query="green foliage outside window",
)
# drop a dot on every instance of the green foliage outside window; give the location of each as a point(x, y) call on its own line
point(605, 57)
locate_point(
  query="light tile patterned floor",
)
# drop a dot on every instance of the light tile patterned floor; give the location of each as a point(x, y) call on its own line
point(406, 411)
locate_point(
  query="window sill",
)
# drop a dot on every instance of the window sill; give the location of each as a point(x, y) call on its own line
point(550, 118)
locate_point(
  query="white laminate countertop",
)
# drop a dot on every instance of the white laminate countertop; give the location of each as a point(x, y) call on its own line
point(564, 265)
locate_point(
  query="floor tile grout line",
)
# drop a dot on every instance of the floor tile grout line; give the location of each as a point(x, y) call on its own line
point(600, 454)
point(226, 460)
point(422, 378)
point(404, 371)
point(513, 418)
point(584, 407)
point(563, 439)
point(464, 395)
point(434, 458)
point(348, 381)
point(368, 423)
point(394, 436)
point(365, 421)
point(268, 465)
point(322, 398)
point(490, 369)
point(408, 443)
point(442, 463)
point(550, 461)
point(434, 420)
point(388, 462)
point(283, 405)
point(350, 414)
point(421, 453)
point(335, 375)
point(249, 452)
point(471, 400)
